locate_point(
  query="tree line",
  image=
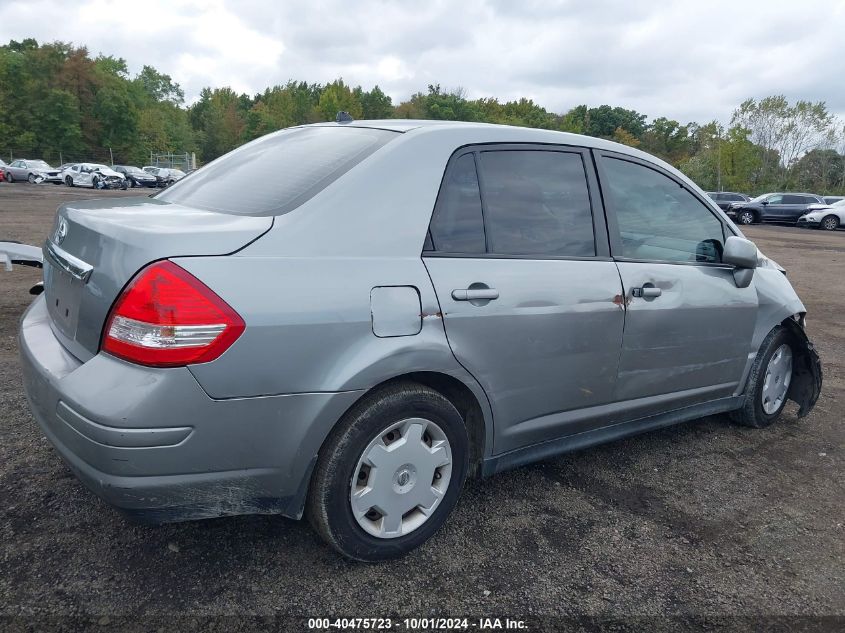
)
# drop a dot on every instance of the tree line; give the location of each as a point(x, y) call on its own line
point(57, 101)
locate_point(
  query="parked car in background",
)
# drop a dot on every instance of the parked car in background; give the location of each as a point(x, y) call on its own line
point(773, 207)
point(828, 217)
point(31, 170)
point(93, 175)
point(725, 198)
point(507, 288)
point(832, 199)
point(135, 176)
point(165, 176)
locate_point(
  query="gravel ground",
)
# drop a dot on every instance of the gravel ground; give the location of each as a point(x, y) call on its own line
point(703, 520)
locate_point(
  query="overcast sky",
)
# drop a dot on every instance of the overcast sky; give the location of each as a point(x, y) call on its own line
point(687, 60)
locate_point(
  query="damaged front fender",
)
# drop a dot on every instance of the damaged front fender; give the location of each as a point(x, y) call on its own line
point(23, 255)
point(807, 372)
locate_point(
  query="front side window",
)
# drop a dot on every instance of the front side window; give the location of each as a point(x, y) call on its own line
point(658, 219)
point(775, 199)
point(536, 203)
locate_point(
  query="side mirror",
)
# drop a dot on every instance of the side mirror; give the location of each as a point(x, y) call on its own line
point(742, 255)
point(764, 202)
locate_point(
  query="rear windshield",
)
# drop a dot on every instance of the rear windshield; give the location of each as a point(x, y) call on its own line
point(278, 172)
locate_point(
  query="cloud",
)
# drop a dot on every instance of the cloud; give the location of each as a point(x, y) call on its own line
point(685, 60)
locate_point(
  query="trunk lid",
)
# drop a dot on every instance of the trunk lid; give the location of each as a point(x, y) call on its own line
point(97, 246)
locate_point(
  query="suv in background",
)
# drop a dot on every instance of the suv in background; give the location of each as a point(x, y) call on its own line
point(773, 207)
point(832, 199)
point(724, 198)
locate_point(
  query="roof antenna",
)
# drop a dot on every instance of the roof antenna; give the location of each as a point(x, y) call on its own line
point(343, 117)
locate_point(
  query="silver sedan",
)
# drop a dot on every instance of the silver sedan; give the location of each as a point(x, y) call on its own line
point(346, 321)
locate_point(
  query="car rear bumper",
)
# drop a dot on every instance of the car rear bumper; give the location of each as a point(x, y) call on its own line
point(152, 443)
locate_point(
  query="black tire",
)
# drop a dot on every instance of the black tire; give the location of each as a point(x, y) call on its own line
point(328, 506)
point(746, 217)
point(829, 223)
point(124, 186)
point(31, 179)
point(95, 182)
point(132, 183)
point(69, 181)
point(752, 413)
point(9, 177)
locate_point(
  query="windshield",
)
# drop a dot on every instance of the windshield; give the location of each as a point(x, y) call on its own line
point(97, 167)
point(761, 197)
point(276, 173)
point(839, 203)
point(39, 164)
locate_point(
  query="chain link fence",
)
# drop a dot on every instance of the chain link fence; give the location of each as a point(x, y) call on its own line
point(104, 156)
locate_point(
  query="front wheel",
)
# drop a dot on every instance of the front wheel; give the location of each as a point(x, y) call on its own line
point(69, 181)
point(31, 179)
point(829, 223)
point(9, 177)
point(768, 383)
point(390, 473)
point(746, 217)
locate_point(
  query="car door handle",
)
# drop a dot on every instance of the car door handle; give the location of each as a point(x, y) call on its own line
point(475, 294)
point(646, 292)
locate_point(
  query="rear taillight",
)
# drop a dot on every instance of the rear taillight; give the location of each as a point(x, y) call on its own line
point(166, 317)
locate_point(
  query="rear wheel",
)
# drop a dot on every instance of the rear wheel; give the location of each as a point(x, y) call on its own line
point(746, 217)
point(69, 181)
point(389, 474)
point(768, 384)
point(829, 223)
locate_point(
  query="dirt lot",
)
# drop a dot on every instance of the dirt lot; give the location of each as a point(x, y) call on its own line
point(706, 519)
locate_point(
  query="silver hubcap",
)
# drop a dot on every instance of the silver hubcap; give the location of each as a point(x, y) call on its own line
point(778, 377)
point(829, 223)
point(746, 218)
point(401, 478)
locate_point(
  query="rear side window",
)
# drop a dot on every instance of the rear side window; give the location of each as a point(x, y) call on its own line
point(278, 172)
point(658, 219)
point(457, 225)
point(536, 203)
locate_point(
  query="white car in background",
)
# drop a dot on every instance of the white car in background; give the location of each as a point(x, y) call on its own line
point(827, 217)
point(165, 176)
point(93, 175)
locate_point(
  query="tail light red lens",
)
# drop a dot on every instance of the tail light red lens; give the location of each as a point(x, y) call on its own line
point(166, 317)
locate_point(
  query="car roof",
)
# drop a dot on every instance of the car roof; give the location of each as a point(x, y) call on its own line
point(791, 193)
point(496, 133)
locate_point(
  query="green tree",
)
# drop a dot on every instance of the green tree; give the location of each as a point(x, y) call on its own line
point(376, 105)
point(338, 97)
